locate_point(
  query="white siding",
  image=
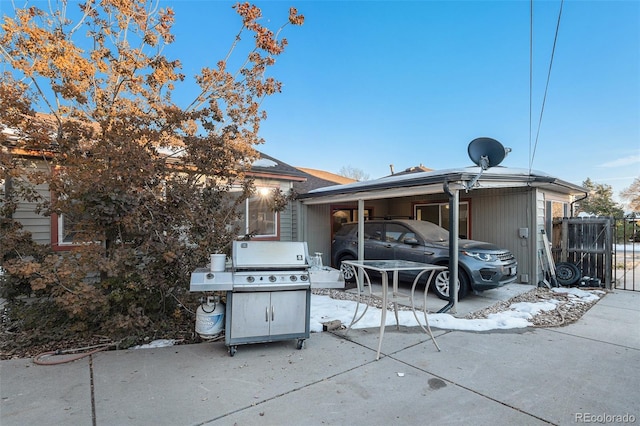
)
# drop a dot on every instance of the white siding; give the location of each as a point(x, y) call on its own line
point(540, 210)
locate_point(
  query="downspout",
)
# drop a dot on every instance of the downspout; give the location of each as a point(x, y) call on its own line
point(586, 194)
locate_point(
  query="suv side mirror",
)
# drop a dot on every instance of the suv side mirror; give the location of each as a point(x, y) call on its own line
point(411, 241)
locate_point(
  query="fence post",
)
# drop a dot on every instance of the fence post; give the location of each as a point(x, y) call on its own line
point(607, 258)
point(564, 245)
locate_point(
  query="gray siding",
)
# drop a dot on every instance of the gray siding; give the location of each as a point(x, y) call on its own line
point(38, 224)
point(497, 216)
point(541, 198)
point(286, 217)
point(318, 231)
point(286, 224)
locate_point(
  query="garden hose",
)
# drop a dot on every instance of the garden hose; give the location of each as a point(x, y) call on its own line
point(40, 359)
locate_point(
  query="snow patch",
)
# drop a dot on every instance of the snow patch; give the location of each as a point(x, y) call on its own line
point(263, 162)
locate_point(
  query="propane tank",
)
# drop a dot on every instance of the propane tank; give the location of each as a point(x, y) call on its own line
point(210, 318)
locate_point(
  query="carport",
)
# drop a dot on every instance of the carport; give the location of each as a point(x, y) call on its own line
point(510, 206)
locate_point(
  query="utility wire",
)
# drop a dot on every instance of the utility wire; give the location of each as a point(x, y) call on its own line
point(530, 80)
point(546, 89)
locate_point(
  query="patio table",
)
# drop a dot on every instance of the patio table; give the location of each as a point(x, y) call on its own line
point(385, 267)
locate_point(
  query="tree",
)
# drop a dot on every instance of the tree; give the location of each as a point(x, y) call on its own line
point(632, 195)
point(151, 187)
point(599, 200)
point(353, 173)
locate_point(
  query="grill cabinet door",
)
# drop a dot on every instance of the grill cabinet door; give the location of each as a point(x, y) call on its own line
point(256, 314)
point(288, 312)
point(250, 314)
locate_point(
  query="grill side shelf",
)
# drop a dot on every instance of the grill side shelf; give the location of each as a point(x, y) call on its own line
point(202, 279)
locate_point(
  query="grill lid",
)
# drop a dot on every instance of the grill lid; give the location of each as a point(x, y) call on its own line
point(269, 255)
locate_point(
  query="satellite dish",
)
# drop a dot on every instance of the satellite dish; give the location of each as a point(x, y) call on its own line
point(487, 152)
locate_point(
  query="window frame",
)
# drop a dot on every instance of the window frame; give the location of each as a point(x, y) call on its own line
point(441, 204)
point(352, 216)
point(246, 216)
point(57, 231)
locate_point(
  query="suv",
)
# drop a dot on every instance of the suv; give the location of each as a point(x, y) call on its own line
point(482, 266)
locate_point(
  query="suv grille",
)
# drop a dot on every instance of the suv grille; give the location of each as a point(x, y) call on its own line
point(506, 256)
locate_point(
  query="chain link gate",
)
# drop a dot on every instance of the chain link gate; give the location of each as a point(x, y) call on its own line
point(627, 253)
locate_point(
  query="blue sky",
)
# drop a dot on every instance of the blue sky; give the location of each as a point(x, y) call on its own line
point(373, 83)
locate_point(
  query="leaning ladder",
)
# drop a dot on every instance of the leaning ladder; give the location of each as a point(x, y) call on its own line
point(550, 266)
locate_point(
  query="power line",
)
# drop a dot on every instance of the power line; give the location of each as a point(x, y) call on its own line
point(530, 79)
point(546, 89)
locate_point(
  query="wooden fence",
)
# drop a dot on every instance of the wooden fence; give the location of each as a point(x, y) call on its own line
point(587, 243)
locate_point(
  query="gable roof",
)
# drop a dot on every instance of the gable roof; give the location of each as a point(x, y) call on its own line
point(264, 166)
point(319, 179)
point(326, 176)
point(267, 166)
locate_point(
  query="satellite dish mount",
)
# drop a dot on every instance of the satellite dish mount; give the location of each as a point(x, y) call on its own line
point(485, 153)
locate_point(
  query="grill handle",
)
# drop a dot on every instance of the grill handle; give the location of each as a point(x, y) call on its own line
point(266, 314)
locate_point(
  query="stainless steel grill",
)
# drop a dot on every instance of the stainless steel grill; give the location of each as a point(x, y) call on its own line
point(267, 265)
point(268, 288)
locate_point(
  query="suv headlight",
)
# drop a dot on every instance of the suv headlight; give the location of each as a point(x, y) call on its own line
point(485, 257)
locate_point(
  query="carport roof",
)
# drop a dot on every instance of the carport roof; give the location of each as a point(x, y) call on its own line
point(432, 183)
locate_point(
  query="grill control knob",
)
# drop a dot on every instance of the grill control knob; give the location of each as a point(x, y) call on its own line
point(272, 278)
point(250, 279)
point(304, 278)
point(293, 278)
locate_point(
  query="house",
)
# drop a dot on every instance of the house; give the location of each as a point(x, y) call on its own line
point(506, 206)
point(268, 174)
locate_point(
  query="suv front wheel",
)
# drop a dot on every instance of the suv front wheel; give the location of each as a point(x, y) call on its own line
point(347, 271)
point(440, 284)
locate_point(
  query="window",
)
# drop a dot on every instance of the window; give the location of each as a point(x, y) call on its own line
point(340, 216)
point(373, 231)
point(438, 213)
point(258, 218)
point(554, 209)
point(261, 220)
point(394, 232)
point(66, 230)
